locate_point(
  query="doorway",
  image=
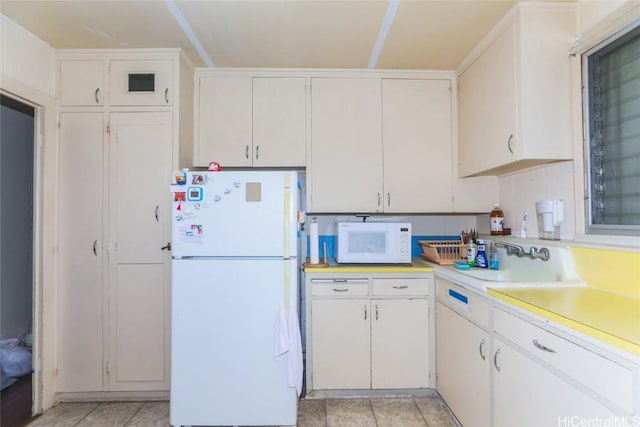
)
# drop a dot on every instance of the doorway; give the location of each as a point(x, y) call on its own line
point(17, 134)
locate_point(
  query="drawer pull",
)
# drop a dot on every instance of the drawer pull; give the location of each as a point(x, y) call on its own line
point(400, 286)
point(495, 360)
point(340, 280)
point(377, 311)
point(340, 290)
point(481, 349)
point(166, 95)
point(543, 347)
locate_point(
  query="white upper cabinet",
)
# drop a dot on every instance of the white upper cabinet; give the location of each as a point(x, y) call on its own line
point(82, 82)
point(381, 144)
point(223, 120)
point(245, 120)
point(279, 121)
point(142, 82)
point(416, 144)
point(346, 145)
point(514, 93)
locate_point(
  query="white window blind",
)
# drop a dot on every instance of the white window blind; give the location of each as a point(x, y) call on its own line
point(613, 144)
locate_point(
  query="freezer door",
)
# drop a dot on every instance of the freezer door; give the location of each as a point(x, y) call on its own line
point(223, 369)
point(230, 214)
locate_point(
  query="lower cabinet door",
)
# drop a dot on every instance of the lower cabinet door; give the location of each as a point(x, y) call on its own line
point(399, 343)
point(139, 329)
point(462, 366)
point(341, 344)
point(527, 394)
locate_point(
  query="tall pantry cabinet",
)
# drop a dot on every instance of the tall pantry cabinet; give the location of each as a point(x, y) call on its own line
point(118, 140)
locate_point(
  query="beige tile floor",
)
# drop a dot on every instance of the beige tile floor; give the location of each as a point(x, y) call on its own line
point(378, 412)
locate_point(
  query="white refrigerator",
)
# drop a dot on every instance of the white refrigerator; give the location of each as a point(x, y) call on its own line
point(236, 357)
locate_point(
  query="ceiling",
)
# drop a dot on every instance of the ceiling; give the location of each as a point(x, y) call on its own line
point(423, 34)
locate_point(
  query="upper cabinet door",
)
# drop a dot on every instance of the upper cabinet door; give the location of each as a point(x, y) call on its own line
point(416, 139)
point(487, 108)
point(279, 118)
point(223, 121)
point(345, 172)
point(146, 82)
point(82, 83)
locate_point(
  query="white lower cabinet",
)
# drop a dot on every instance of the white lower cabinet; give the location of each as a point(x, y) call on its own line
point(462, 355)
point(526, 393)
point(368, 332)
point(399, 343)
point(501, 367)
point(341, 343)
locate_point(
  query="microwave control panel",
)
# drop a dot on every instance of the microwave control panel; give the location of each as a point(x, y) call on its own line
point(405, 243)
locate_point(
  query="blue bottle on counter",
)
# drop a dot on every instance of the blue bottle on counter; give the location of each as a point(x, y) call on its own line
point(481, 258)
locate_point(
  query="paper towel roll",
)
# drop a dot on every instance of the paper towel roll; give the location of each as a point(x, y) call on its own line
point(314, 246)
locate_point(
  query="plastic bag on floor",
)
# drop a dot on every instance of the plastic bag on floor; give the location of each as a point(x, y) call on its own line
point(5, 380)
point(15, 360)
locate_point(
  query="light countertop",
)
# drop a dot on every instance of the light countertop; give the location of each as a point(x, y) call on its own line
point(333, 267)
point(610, 317)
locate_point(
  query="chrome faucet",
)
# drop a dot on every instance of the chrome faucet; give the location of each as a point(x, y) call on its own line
point(517, 250)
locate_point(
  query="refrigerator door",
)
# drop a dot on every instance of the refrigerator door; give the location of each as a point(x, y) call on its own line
point(223, 369)
point(235, 214)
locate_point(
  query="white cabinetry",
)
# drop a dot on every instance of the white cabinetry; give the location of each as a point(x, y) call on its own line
point(82, 82)
point(81, 246)
point(515, 94)
point(250, 119)
point(113, 298)
point(141, 82)
point(367, 132)
point(368, 332)
point(463, 353)
point(346, 145)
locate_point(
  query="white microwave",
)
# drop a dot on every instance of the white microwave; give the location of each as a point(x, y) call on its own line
point(373, 242)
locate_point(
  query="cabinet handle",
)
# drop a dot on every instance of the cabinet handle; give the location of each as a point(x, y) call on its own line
point(365, 312)
point(543, 347)
point(378, 199)
point(377, 311)
point(257, 152)
point(95, 247)
point(166, 247)
point(400, 286)
point(340, 290)
point(481, 349)
point(157, 211)
point(388, 199)
point(495, 360)
point(95, 95)
point(246, 151)
point(166, 95)
point(509, 143)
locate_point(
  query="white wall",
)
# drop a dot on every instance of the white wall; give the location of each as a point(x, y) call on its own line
point(25, 57)
point(518, 193)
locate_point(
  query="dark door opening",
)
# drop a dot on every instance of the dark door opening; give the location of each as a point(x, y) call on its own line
point(17, 130)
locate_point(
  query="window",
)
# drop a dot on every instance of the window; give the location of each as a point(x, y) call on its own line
point(612, 106)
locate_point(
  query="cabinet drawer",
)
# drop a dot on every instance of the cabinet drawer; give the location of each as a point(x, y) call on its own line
point(606, 378)
point(339, 287)
point(400, 286)
point(464, 302)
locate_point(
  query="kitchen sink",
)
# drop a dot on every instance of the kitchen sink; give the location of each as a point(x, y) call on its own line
point(514, 275)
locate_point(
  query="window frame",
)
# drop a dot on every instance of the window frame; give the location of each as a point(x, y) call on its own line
point(590, 228)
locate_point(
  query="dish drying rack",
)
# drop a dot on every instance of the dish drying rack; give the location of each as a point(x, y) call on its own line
point(443, 252)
